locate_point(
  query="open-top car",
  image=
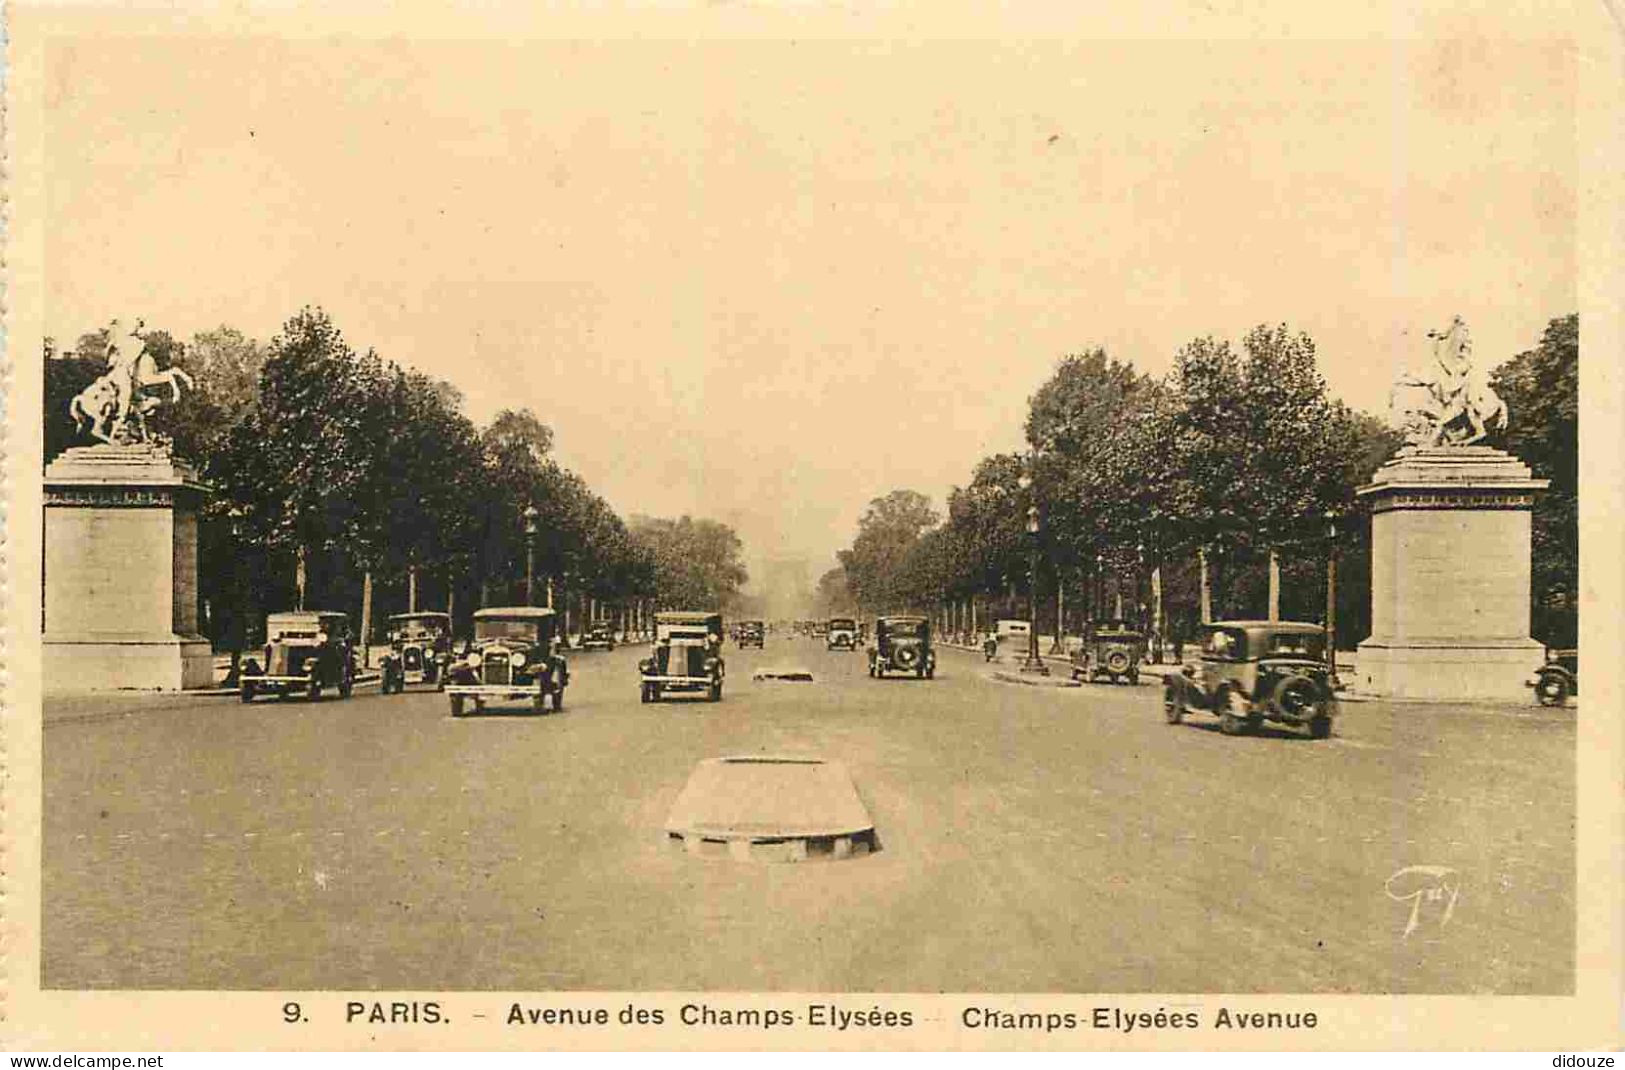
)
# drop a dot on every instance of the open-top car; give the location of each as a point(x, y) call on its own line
point(902, 644)
point(1559, 678)
point(419, 650)
point(1256, 671)
point(687, 656)
point(1111, 649)
point(751, 633)
point(841, 633)
point(598, 634)
point(305, 651)
point(512, 657)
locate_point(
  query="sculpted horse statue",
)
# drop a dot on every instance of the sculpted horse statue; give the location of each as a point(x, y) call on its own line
point(113, 408)
point(1455, 405)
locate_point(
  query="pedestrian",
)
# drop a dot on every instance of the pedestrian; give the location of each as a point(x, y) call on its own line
point(1179, 646)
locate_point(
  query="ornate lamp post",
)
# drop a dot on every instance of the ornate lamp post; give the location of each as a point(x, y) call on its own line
point(1331, 593)
point(1100, 587)
point(1034, 662)
point(530, 514)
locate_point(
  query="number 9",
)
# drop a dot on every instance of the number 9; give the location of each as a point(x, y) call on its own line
point(292, 1012)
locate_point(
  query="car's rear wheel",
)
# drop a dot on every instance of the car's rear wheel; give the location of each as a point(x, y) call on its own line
point(456, 705)
point(1552, 690)
point(715, 693)
point(247, 692)
point(1320, 726)
point(1173, 706)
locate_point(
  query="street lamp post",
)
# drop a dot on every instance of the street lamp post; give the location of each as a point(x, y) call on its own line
point(1034, 662)
point(1331, 594)
point(530, 516)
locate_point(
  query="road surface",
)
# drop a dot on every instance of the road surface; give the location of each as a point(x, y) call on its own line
point(1033, 840)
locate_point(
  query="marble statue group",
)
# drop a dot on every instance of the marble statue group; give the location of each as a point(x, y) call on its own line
point(1451, 405)
point(115, 407)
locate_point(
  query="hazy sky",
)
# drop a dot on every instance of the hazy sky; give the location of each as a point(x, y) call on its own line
point(767, 282)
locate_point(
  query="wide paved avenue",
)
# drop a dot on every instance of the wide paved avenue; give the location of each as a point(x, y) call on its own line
point(1033, 839)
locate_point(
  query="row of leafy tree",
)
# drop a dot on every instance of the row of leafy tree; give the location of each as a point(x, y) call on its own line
point(1233, 475)
point(342, 480)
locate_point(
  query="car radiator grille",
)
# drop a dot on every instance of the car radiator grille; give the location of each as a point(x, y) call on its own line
point(496, 669)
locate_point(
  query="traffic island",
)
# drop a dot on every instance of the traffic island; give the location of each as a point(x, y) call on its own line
point(771, 808)
point(1032, 679)
point(780, 672)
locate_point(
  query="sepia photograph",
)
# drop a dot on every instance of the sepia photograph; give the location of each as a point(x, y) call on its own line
point(680, 522)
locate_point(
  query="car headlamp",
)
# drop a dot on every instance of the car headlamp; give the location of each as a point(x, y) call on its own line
point(518, 659)
point(474, 659)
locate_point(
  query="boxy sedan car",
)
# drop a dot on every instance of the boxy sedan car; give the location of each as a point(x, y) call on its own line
point(1255, 671)
point(305, 651)
point(511, 658)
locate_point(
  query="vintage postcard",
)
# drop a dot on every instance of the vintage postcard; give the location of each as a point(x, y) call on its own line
point(812, 525)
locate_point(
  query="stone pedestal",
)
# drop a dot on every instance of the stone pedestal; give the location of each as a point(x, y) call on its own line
point(121, 572)
point(1450, 575)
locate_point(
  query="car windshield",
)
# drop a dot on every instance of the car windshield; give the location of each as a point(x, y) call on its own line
point(1299, 645)
point(847, 624)
point(525, 630)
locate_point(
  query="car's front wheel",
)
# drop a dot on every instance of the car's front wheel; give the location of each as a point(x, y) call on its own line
point(558, 700)
point(1552, 690)
point(1234, 714)
point(314, 691)
point(456, 705)
point(247, 692)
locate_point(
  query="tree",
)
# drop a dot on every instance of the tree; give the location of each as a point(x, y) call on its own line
point(1541, 389)
point(698, 563)
point(887, 531)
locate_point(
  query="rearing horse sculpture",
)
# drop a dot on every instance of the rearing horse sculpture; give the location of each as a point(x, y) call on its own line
point(109, 404)
point(1458, 407)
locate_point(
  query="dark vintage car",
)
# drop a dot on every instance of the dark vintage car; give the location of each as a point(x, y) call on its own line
point(1111, 649)
point(687, 656)
point(305, 651)
point(512, 657)
point(902, 644)
point(1559, 678)
point(419, 651)
point(841, 633)
point(599, 635)
point(751, 633)
point(1256, 671)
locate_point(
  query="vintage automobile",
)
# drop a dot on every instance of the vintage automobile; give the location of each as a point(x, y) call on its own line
point(1256, 671)
point(305, 651)
point(687, 656)
point(598, 634)
point(1559, 678)
point(902, 644)
point(841, 633)
point(1111, 649)
point(419, 651)
point(512, 657)
point(752, 633)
